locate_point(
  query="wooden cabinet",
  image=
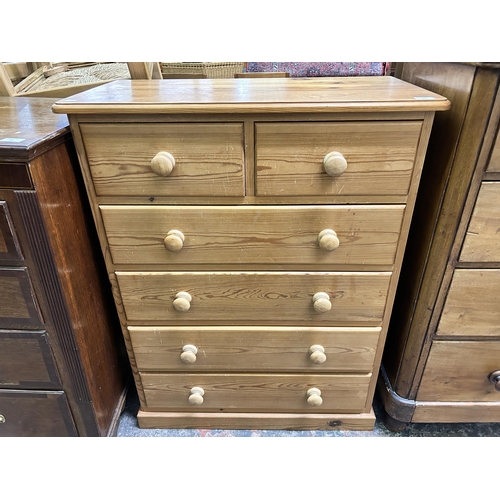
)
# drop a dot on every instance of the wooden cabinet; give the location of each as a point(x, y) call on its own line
point(63, 367)
point(253, 233)
point(444, 338)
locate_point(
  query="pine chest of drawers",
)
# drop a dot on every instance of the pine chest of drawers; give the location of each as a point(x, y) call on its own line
point(253, 231)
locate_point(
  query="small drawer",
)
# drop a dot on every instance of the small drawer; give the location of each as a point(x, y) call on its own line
point(35, 414)
point(249, 393)
point(207, 159)
point(482, 241)
point(460, 371)
point(353, 299)
point(26, 361)
point(253, 349)
point(18, 309)
point(471, 307)
point(374, 158)
point(9, 245)
point(365, 235)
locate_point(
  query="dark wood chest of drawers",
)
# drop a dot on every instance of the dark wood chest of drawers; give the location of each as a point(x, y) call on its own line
point(62, 365)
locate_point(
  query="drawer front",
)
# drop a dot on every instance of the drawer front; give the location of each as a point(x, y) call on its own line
point(254, 349)
point(237, 392)
point(208, 159)
point(459, 371)
point(379, 156)
point(9, 246)
point(35, 414)
point(482, 241)
point(471, 307)
point(254, 298)
point(253, 235)
point(18, 308)
point(26, 361)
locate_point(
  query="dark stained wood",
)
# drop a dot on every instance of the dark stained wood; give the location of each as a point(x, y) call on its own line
point(15, 176)
point(18, 309)
point(9, 245)
point(26, 361)
point(35, 414)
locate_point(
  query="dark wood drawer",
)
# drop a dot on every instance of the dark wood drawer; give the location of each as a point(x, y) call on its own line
point(35, 414)
point(18, 309)
point(26, 361)
point(9, 246)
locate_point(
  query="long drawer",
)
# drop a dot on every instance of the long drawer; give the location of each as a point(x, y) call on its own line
point(259, 235)
point(208, 158)
point(259, 392)
point(378, 158)
point(254, 349)
point(351, 299)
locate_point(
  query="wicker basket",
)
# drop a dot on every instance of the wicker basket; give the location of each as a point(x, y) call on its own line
point(208, 69)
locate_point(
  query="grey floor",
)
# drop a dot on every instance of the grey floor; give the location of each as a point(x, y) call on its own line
point(128, 428)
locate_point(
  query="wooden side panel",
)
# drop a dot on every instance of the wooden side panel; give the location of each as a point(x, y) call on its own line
point(472, 307)
point(208, 158)
point(254, 348)
point(482, 241)
point(379, 155)
point(35, 414)
point(357, 299)
point(459, 371)
point(368, 235)
point(494, 163)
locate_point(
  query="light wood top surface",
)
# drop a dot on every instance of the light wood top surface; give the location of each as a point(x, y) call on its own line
point(245, 95)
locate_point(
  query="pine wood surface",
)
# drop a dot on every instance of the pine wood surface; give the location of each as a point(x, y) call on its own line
point(253, 95)
point(254, 348)
point(262, 235)
point(208, 159)
point(379, 155)
point(471, 307)
point(458, 371)
point(256, 392)
point(358, 299)
point(482, 241)
point(236, 288)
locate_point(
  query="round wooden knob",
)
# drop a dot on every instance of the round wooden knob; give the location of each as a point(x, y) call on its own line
point(163, 163)
point(334, 164)
point(189, 353)
point(317, 354)
point(2, 419)
point(495, 379)
point(196, 396)
point(182, 301)
point(314, 397)
point(321, 302)
point(174, 241)
point(328, 240)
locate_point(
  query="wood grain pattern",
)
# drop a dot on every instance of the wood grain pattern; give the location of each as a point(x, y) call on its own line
point(280, 421)
point(494, 163)
point(458, 371)
point(256, 393)
point(254, 348)
point(254, 95)
point(248, 235)
point(482, 241)
point(27, 362)
point(35, 414)
point(358, 299)
point(446, 412)
point(208, 158)
point(380, 156)
point(471, 308)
